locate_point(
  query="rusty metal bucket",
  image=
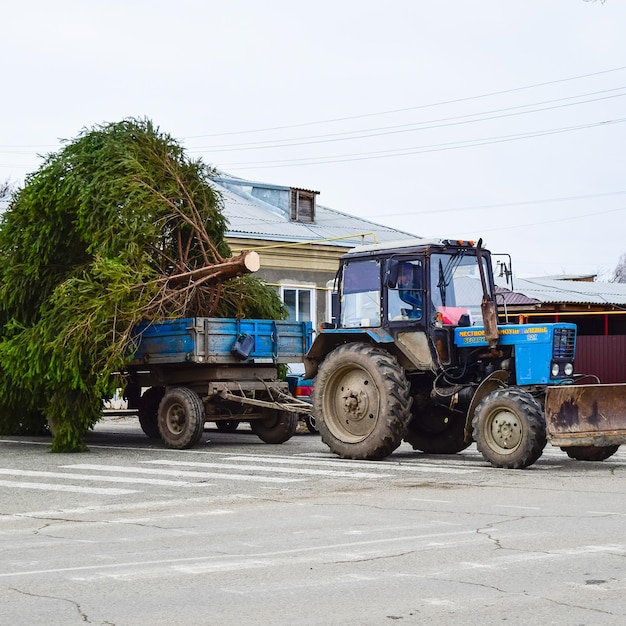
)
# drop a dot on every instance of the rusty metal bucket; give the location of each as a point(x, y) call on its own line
point(586, 415)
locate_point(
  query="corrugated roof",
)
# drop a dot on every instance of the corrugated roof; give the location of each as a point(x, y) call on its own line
point(513, 298)
point(550, 291)
point(252, 217)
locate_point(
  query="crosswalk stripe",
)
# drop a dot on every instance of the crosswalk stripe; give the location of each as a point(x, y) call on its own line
point(389, 466)
point(112, 491)
point(99, 478)
point(181, 474)
point(278, 470)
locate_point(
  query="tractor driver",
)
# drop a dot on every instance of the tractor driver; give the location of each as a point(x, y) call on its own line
point(405, 302)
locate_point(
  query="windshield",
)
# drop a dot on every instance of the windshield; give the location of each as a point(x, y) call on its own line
point(456, 288)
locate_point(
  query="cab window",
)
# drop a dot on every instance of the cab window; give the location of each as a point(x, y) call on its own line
point(404, 290)
point(360, 299)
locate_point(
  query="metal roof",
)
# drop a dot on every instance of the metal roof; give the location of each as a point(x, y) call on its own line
point(551, 291)
point(514, 298)
point(251, 217)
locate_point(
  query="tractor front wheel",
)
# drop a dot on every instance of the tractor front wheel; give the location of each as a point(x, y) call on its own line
point(361, 402)
point(509, 428)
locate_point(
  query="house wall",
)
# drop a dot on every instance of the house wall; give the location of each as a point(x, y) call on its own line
point(600, 342)
point(296, 265)
point(602, 356)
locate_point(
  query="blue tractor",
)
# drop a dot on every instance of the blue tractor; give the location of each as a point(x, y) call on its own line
point(416, 353)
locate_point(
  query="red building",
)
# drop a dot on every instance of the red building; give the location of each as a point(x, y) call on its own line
point(598, 309)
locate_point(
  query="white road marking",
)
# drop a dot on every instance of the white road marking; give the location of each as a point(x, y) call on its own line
point(284, 555)
point(515, 506)
point(278, 470)
point(100, 509)
point(383, 465)
point(180, 474)
point(69, 488)
point(100, 478)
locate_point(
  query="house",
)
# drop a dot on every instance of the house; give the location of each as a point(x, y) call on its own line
point(299, 240)
point(598, 309)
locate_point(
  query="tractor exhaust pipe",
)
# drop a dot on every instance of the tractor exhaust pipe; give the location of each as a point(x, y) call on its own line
point(487, 306)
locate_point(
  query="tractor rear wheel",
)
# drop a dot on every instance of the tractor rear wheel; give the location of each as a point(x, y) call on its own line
point(181, 418)
point(509, 428)
point(436, 430)
point(275, 426)
point(590, 453)
point(361, 402)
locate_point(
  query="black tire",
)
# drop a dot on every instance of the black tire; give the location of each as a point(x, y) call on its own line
point(132, 395)
point(275, 426)
point(361, 402)
point(148, 411)
point(509, 428)
point(436, 430)
point(181, 418)
point(309, 420)
point(590, 453)
point(227, 426)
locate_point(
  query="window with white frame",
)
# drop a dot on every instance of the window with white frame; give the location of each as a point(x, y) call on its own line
point(300, 302)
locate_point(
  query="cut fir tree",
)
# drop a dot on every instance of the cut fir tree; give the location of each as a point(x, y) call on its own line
point(117, 227)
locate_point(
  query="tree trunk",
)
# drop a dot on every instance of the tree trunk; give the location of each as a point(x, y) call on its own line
point(246, 262)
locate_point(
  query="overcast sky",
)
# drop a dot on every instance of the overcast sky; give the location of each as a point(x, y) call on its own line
point(500, 119)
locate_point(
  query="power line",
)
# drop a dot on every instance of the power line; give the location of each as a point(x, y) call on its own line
point(380, 154)
point(413, 108)
point(505, 204)
point(403, 128)
point(554, 221)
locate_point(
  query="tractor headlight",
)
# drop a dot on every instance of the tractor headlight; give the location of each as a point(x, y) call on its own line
point(568, 369)
point(555, 370)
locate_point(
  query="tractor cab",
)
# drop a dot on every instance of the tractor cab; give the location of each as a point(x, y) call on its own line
point(413, 285)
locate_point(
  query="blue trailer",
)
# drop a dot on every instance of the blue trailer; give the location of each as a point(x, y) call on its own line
point(187, 371)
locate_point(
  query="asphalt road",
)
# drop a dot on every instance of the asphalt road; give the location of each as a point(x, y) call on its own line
point(236, 531)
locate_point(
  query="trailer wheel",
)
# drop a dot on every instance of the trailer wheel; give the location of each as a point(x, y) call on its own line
point(309, 421)
point(227, 426)
point(436, 430)
point(181, 418)
point(132, 395)
point(148, 411)
point(275, 426)
point(590, 453)
point(361, 402)
point(509, 428)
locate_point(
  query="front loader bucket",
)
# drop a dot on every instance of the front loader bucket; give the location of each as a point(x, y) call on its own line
point(586, 415)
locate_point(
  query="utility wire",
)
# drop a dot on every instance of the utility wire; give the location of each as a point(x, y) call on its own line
point(414, 108)
point(505, 204)
point(554, 221)
point(380, 154)
point(402, 128)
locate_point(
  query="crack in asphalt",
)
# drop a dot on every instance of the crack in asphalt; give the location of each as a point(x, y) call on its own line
point(375, 558)
point(527, 595)
point(83, 616)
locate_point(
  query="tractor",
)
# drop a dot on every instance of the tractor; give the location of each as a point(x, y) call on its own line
point(416, 353)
